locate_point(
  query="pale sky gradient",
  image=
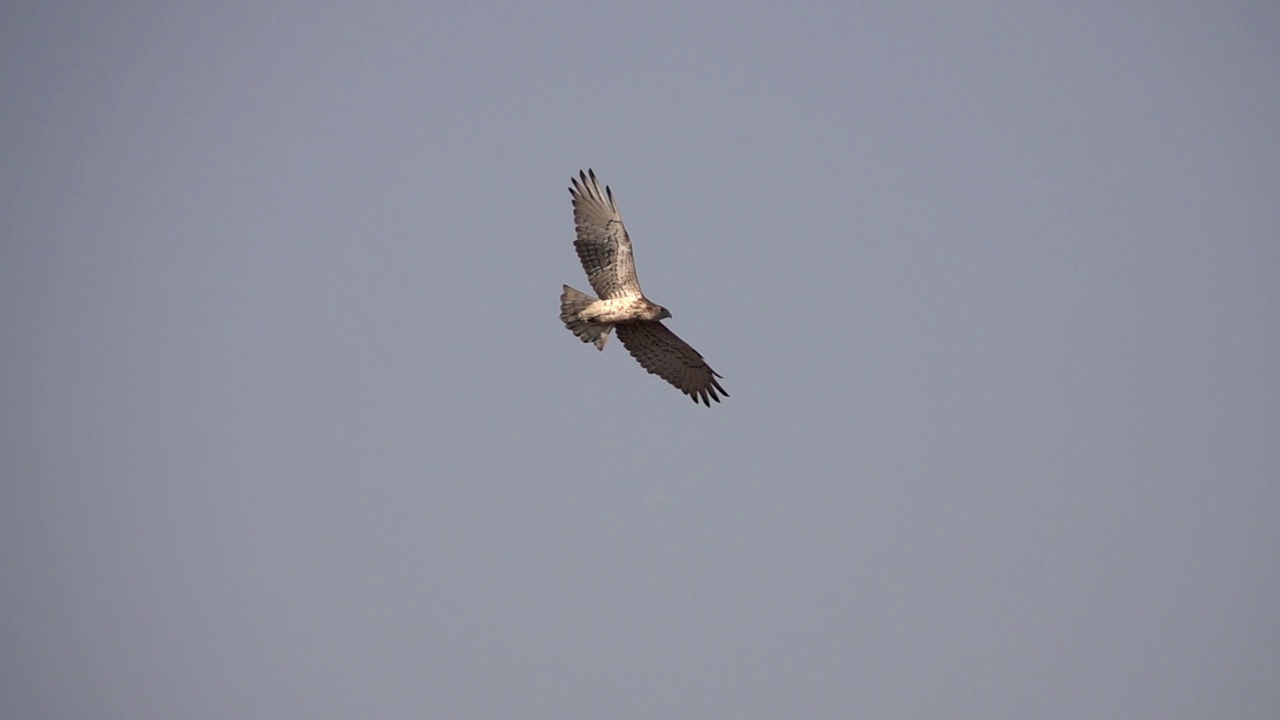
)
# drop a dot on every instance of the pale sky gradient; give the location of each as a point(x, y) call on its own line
point(290, 427)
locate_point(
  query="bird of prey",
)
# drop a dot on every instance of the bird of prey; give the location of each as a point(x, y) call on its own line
point(605, 251)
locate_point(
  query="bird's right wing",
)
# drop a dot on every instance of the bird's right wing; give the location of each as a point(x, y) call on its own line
point(602, 242)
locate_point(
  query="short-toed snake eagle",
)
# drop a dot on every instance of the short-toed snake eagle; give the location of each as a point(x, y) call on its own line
point(605, 251)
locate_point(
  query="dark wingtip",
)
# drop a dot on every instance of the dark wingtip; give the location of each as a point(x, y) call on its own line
point(589, 181)
point(706, 395)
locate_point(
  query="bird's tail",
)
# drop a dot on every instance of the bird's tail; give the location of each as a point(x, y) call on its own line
point(573, 302)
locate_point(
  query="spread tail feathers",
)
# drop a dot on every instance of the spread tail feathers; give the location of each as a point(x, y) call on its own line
point(573, 302)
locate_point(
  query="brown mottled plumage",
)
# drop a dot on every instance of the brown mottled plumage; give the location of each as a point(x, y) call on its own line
point(605, 251)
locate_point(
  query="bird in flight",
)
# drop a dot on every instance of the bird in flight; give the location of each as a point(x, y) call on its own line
point(605, 251)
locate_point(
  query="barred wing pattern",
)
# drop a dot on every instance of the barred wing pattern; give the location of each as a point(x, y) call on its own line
point(602, 242)
point(662, 353)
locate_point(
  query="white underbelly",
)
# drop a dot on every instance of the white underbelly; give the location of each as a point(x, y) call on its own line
point(616, 310)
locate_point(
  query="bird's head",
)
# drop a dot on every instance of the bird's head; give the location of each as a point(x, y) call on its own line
point(663, 313)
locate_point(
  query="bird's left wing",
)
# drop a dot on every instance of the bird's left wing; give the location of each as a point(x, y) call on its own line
point(664, 354)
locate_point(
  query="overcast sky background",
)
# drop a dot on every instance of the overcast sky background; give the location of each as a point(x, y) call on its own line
point(291, 429)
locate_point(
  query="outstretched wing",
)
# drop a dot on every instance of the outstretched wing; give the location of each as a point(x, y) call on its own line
point(662, 353)
point(602, 243)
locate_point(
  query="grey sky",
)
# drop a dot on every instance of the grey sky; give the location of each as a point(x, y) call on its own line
point(291, 429)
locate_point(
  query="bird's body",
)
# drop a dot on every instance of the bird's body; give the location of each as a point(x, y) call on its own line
point(605, 251)
point(621, 310)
